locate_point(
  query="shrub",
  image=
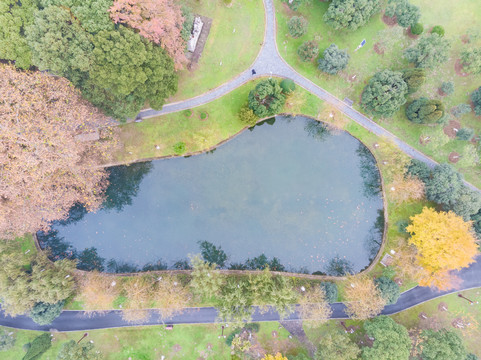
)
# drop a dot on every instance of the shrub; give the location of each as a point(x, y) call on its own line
point(203, 115)
point(465, 134)
point(425, 111)
point(44, 313)
point(227, 2)
point(461, 109)
point(231, 336)
point(247, 116)
point(419, 169)
point(476, 99)
point(471, 60)
point(287, 86)
point(297, 26)
point(417, 29)
point(330, 290)
point(179, 148)
point(267, 98)
point(402, 225)
point(414, 78)
point(438, 29)
point(253, 327)
point(38, 346)
point(7, 340)
point(333, 60)
point(187, 113)
point(308, 51)
point(188, 23)
point(447, 87)
point(389, 289)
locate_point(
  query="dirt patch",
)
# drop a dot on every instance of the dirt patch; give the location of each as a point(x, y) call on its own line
point(389, 21)
point(289, 12)
point(379, 48)
point(465, 39)
point(442, 306)
point(441, 92)
point(453, 157)
point(176, 348)
point(424, 140)
point(274, 334)
point(458, 67)
point(410, 34)
point(450, 128)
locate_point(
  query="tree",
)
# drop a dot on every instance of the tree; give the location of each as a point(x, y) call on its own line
point(476, 99)
point(389, 289)
point(267, 98)
point(444, 242)
point(212, 254)
point(206, 280)
point(247, 116)
point(391, 340)
point(7, 340)
point(465, 134)
point(46, 169)
point(467, 203)
point(97, 291)
point(336, 346)
point(71, 350)
point(38, 347)
point(339, 267)
point(287, 86)
point(406, 188)
point(44, 313)
point(407, 14)
point(308, 51)
point(419, 169)
point(461, 109)
point(350, 14)
point(297, 26)
point(431, 51)
point(333, 60)
point(385, 93)
point(447, 87)
point(417, 29)
point(363, 298)
point(16, 16)
point(330, 290)
point(441, 345)
point(170, 296)
point(438, 29)
point(278, 356)
point(414, 78)
point(188, 23)
point(444, 185)
point(130, 68)
point(425, 111)
point(158, 21)
point(313, 307)
point(471, 60)
point(59, 44)
point(235, 303)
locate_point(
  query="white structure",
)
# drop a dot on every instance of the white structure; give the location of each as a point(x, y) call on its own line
point(197, 29)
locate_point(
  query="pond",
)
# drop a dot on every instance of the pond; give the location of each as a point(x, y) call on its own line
point(289, 193)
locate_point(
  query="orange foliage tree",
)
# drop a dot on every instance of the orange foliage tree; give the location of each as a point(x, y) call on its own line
point(159, 21)
point(406, 188)
point(363, 298)
point(44, 168)
point(444, 242)
point(97, 291)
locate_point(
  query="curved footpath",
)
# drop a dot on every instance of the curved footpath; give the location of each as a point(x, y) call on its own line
point(71, 320)
point(267, 63)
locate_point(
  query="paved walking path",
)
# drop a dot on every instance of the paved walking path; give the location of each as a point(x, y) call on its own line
point(78, 320)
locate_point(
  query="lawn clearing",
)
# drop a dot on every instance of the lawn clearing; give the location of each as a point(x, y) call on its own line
point(226, 53)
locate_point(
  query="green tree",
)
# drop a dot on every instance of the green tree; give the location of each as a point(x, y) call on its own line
point(247, 116)
point(438, 29)
point(441, 345)
point(206, 280)
point(414, 78)
point(188, 16)
point(297, 26)
point(465, 134)
point(472, 60)
point(476, 99)
point(287, 86)
point(447, 87)
point(350, 14)
point(417, 29)
point(461, 109)
point(73, 351)
point(131, 68)
point(44, 313)
point(430, 51)
point(391, 340)
point(267, 98)
point(407, 14)
point(466, 204)
point(15, 16)
point(59, 44)
point(336, 346)
point(38, 347)
point(389, 289)
point(7, 340)
point(445, 185)
point(330, 289)
point(235, 303)
point(333, 60)
point(385, 93)
point(308, 51)
point(212, 254)
point(425, 111)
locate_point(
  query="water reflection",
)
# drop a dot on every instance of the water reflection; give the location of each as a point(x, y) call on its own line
point(369, 172)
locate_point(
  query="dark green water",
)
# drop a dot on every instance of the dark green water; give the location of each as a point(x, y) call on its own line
point(289, 189)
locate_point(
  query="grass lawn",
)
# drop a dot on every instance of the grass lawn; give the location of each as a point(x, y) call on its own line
point(148, 343)
point(459, 19)
point(236, 50)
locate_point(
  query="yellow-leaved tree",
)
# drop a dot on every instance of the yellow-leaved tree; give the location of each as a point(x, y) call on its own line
point(277, 356)
point(444, 242)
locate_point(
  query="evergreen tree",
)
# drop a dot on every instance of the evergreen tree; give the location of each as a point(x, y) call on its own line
point(333, 60)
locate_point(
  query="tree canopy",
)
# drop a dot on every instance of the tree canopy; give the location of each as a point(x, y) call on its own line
point(472, 60)
point(476, 99)
point(333, 60)
point(336, 346)
point(425, 111)
point(385, 93)
point(414, 78)
point(350, 14)
point(363, 298)
point(407, 14)
point(431, 51)
point(389, 289)
point(444, 184)
point(441, 345)
point(391, 340)
point(267, 98)
point(444, 242)
point(71, 350)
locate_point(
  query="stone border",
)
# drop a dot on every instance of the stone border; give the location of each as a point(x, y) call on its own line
point(372, 264)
